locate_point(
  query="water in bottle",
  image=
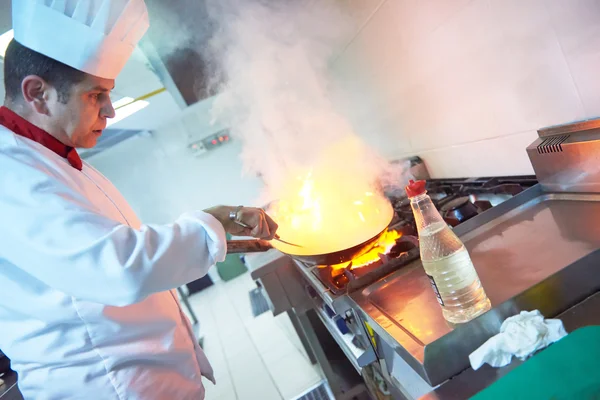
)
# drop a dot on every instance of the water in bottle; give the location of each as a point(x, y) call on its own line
point(446, 261)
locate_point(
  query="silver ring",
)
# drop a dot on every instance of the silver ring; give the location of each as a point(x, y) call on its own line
point(233, 215)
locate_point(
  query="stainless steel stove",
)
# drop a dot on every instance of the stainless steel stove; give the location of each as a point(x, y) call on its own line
point(534, 245)
point(334, 298)
point(458, 200)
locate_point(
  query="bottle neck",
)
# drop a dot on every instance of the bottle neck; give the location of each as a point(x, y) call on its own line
point(424, 211)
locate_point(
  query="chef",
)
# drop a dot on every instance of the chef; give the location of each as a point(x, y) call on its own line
point(88, 308)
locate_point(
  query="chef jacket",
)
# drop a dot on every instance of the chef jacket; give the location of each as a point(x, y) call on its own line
point(88, 308)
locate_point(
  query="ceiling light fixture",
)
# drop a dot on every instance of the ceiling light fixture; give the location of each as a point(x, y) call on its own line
point(124, 108)
point(122, 102)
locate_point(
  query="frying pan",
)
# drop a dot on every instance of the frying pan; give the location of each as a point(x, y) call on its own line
point(332, 258)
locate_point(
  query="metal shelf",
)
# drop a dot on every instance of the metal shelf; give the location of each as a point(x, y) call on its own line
point(357, 357)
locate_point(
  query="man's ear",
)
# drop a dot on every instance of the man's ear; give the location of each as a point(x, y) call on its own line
point(36, 92)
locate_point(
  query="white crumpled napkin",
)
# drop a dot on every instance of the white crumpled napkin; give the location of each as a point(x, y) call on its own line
point(520, 336)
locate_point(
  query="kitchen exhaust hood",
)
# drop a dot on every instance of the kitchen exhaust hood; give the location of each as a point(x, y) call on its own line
point(176, 45)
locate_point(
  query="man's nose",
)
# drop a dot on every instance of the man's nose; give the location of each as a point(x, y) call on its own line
point(108, 111)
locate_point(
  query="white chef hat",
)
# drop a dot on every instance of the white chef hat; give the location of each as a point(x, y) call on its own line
point(93, 36)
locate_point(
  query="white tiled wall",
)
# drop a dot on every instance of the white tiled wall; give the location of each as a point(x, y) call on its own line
point(466, 83)
point(463, 83)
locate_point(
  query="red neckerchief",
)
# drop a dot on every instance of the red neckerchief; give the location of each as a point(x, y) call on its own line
point(24, 128)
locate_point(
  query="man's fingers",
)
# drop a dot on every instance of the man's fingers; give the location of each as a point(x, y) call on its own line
point(259, 224)
point(265, 232)
point(258, 228)
point(272, 226)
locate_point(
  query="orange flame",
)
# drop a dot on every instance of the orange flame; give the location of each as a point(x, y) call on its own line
point(330, 207)
point(384, 245)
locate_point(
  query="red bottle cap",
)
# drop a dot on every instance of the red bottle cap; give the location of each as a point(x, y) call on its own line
point(415, 188)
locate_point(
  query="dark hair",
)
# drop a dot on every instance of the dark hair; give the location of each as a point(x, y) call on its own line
point(20, 62)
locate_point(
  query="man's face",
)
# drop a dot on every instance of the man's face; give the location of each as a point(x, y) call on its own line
point(83, 118)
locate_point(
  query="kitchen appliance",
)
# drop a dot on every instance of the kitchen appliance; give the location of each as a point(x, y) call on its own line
point(564, 157)
point(534, 249)
point(534, 246)
point(351, 277)
point(457, 199)
point(331, 291)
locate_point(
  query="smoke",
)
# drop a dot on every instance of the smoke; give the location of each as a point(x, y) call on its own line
point(277, 96)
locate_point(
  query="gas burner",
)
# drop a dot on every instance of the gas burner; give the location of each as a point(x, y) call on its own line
point(458, 201)
point(497, 185)
point(340, 280)
point(460, 209)
point(461, 199)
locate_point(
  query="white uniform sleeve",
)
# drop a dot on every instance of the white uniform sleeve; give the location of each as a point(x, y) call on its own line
point(54, 234)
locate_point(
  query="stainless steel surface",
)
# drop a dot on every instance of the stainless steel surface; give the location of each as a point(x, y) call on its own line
point(189, 73)
point(417, 168)
point(533, 241)
point(302, 336)
point(535, 251)
point(572, 127)
point(264, 268)
point(565, 158)
point(275, 294)
point(261, 264)
point(342, 388)
point(359, 358)
point(408, 384)
point(470, 382)
point(338, 303)
point(321, 297)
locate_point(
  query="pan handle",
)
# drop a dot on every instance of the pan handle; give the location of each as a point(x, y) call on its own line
point(248, 246)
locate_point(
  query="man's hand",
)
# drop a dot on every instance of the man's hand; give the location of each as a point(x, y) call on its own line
point(259, 224)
